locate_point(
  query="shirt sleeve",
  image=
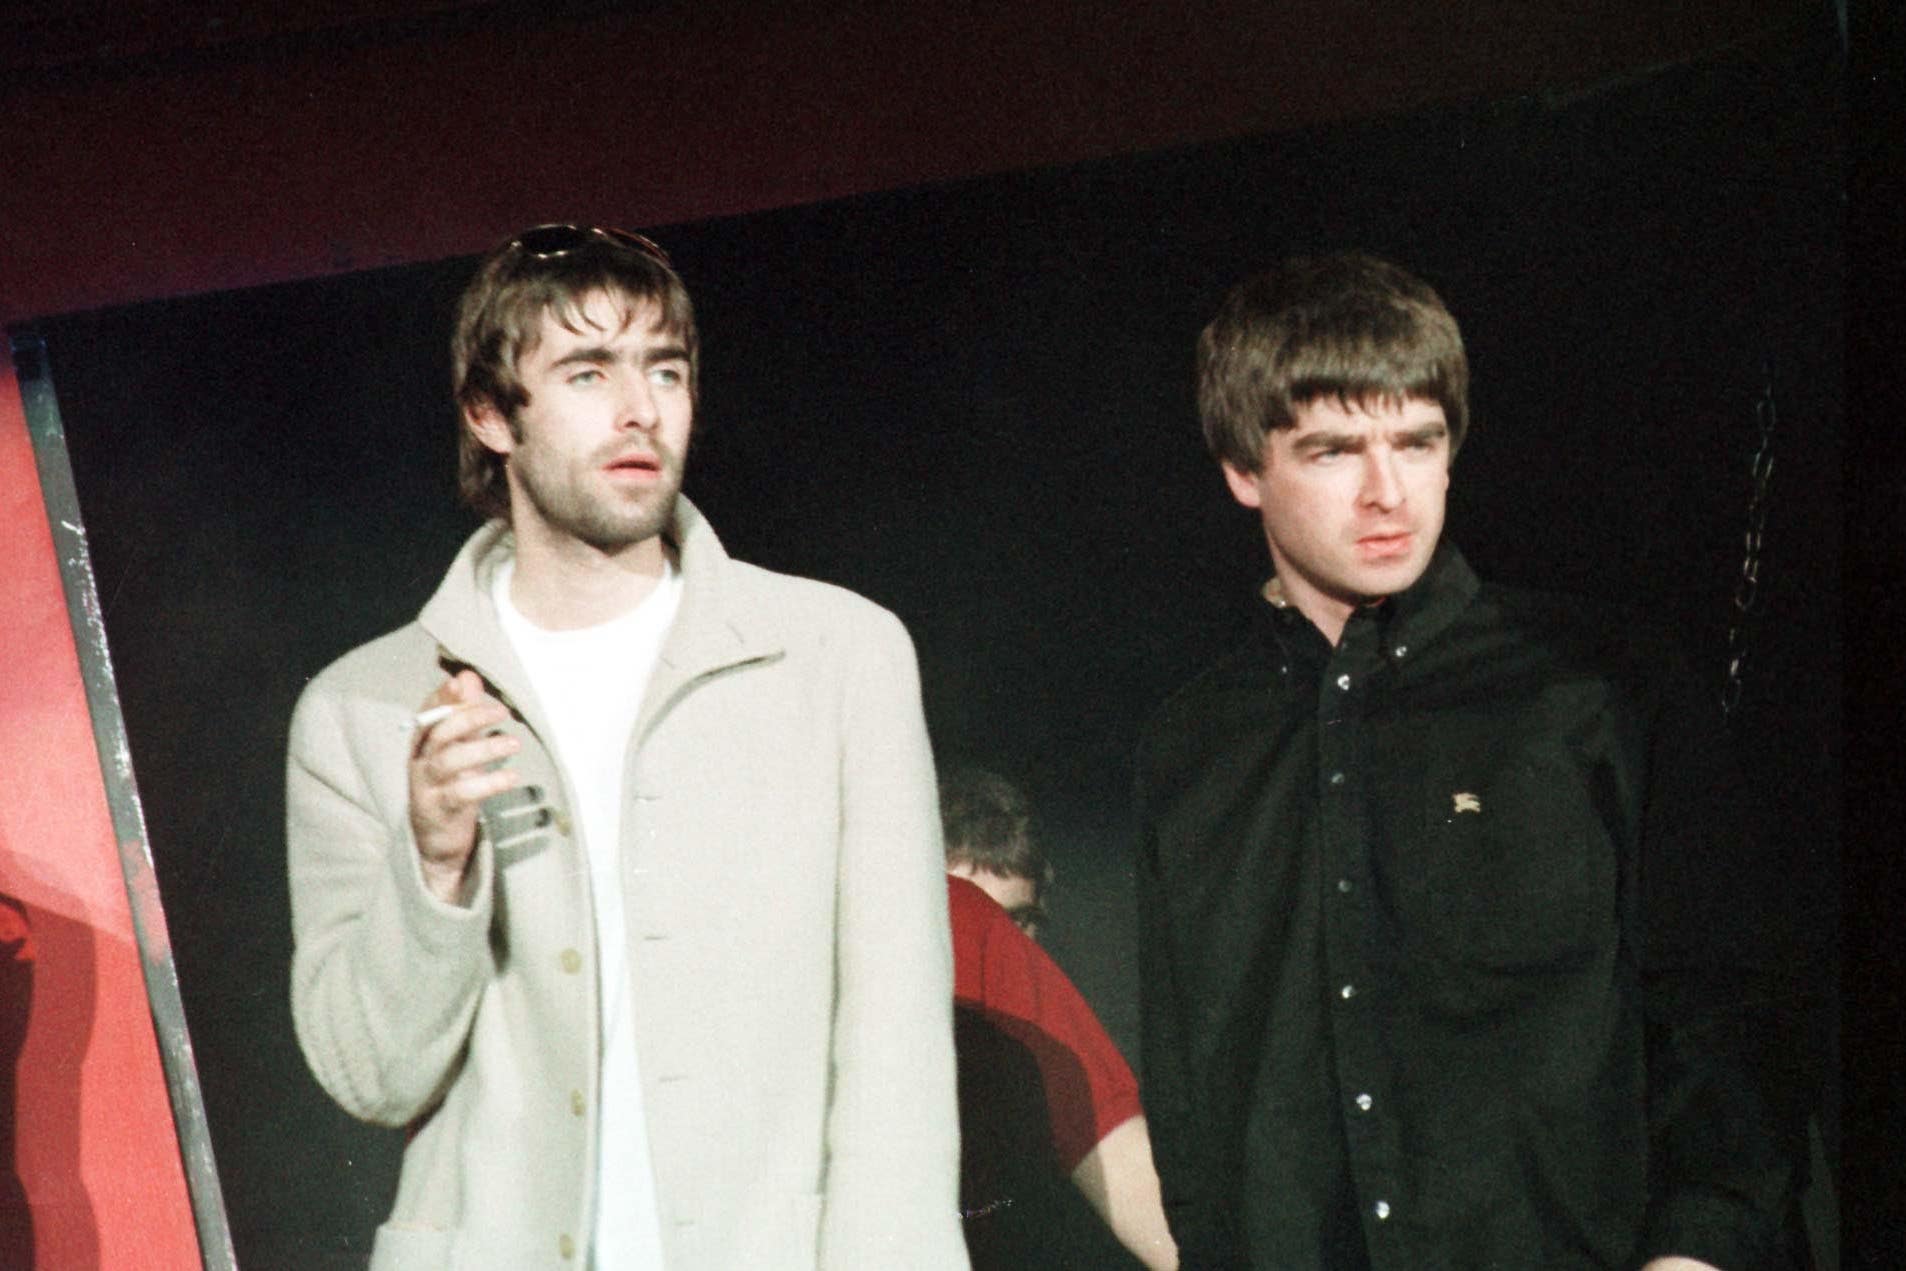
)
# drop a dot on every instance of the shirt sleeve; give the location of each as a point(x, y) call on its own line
point(1015, 984)
point(1200, 1223)
point(16, 978)
point(1724, 997)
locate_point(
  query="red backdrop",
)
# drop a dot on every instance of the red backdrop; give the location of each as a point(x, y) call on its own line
point(94, 1147)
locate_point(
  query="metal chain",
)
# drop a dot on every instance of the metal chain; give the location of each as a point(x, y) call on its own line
point(1747, 588)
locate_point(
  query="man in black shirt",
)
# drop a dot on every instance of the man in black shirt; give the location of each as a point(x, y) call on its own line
point(1449, 942)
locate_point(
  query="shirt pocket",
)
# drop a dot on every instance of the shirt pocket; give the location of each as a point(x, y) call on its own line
point(1508, 865)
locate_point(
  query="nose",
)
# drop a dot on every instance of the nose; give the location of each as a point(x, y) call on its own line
point(1382, 488)
point(637, 407)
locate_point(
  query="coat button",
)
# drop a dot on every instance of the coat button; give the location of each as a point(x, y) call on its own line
point(566, 1247)
point(577, 1104)
point(571, 960)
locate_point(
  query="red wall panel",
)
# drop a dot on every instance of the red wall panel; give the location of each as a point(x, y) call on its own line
point(94, 1150)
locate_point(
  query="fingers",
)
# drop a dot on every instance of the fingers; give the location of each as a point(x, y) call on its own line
point(452, 803)
point(457, 761)
point(436, 731)
point(465, 686)
point(456, 708)
point(453, 762)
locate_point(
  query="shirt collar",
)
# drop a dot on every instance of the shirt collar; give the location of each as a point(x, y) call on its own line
point(1406, 622)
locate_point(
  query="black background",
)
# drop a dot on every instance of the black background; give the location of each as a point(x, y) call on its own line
point(973, 403)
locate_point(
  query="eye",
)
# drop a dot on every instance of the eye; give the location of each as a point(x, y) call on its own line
point(583, 375)
point(667, 376)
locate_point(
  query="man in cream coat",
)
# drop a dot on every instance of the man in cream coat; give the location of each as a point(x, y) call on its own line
point(615, 876)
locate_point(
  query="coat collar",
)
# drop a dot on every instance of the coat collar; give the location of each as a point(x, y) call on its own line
point(723, 621)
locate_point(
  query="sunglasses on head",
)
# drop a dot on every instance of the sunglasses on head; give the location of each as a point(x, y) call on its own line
point(545, 242)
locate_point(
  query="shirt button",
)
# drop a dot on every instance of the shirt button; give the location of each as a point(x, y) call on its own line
point(571, 960)
point(1381, 1209)
point(1365, 1103)
point(1336, 778)
point(562, 823)
point(1343, 682)
point(576, 1102)
point(1347, 992)
point(566, 1247)
point(1343, 885)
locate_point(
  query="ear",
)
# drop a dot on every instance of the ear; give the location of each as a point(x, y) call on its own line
point(1244, 486)
point(487, 424)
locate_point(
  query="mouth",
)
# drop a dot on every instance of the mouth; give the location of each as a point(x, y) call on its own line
point(636, 465)
point(1385, 547)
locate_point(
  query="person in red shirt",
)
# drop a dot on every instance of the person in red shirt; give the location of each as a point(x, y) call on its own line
point(1044, 1092)
point(16, 1007)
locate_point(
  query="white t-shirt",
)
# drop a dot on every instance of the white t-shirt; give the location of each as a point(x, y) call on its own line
point(591, 683)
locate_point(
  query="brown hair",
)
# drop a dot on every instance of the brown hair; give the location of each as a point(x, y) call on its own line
point(988, 826)
point(1345, 326)
point(501, 311)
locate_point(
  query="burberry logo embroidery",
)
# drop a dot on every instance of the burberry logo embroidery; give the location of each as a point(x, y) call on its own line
point(1466, 802)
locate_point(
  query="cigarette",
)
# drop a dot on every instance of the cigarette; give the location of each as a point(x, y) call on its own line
point(435, 715)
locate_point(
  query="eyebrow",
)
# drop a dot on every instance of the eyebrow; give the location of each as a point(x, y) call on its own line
point(603, 355)
point(590, 355)
point(1311, 443)
point(1423, 432)
point(1354, 443)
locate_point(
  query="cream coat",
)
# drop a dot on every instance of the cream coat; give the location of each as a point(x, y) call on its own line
point(788, 945)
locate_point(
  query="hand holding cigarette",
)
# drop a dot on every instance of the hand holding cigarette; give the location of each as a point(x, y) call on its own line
point(452, 771)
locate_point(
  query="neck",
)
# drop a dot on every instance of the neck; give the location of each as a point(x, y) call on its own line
point(1326, 613)
point(1329, 618)
point(562, 584)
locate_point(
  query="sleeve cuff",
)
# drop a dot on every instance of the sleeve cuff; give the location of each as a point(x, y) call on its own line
point(437, 926)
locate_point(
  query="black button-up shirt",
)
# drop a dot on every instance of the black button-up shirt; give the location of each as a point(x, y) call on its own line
point(1449, 951)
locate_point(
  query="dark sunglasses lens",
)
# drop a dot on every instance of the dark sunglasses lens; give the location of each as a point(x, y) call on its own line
point(559, 240)
point(552, 240)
